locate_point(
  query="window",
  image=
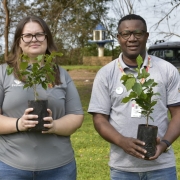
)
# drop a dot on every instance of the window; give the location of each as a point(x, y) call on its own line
point(97, 35)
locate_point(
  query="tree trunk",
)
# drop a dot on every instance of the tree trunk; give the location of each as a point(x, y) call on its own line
point(6, 29)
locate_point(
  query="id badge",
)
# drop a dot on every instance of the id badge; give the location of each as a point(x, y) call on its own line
point(135, 110)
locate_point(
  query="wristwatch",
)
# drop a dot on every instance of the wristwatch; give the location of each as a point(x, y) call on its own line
point(168, 144)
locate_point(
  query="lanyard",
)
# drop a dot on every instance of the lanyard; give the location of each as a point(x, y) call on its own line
point(147, 68)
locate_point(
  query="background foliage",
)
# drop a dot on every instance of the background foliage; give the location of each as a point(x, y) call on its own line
point(71, 22)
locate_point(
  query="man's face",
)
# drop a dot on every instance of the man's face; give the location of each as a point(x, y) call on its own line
point(132, 38)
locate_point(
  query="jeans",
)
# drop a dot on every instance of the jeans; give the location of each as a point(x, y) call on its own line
point(161, 174)
point(66, 172)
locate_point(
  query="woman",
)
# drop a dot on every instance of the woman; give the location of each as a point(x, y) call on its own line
point(30, 155)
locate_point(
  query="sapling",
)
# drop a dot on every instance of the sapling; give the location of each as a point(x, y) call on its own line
point(141, 88)
point(41, 71)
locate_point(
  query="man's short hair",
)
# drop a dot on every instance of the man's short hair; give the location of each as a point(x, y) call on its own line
point(132, 17)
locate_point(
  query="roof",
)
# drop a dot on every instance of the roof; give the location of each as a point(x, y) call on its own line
point(170, 44)
point(100, 27)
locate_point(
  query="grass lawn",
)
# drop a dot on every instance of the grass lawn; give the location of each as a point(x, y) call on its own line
point(176, 147)
point(91, 151)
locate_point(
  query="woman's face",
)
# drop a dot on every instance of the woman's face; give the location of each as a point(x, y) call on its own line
point(38, 44)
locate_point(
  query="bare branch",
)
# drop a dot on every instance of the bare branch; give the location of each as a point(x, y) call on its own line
point(166, 16)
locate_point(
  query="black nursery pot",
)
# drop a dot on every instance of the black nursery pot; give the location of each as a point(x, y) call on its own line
point(148, 134)
point(40, 109)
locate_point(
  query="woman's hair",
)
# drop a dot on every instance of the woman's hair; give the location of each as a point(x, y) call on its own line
point(16, 51)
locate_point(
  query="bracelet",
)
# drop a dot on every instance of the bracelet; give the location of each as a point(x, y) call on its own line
point(166, 142)
point(17, 125)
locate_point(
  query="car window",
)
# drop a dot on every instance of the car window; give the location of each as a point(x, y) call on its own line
point(169, 51)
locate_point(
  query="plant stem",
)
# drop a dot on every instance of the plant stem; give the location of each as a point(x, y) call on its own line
point(147, 119)
point(34, 89)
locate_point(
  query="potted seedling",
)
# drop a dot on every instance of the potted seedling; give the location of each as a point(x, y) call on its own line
point(141, 92)
point(42, 73)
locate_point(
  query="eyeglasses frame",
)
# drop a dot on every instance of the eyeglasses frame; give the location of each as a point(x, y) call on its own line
point(33, 35)
point(131, 32)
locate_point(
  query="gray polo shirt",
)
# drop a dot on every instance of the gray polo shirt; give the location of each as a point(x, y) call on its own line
point(106, 99)
point(31, 150)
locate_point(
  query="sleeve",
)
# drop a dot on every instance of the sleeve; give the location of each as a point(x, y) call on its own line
point(100, 101)
point(73, 103)
point(173, 88)
point(1, 86)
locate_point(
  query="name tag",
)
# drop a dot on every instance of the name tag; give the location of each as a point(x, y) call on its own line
point(135, 110)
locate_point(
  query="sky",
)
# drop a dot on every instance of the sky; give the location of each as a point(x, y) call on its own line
point(152, 11)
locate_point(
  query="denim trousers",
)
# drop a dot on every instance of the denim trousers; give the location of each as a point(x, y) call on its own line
point(66, 172)
point(161, 174)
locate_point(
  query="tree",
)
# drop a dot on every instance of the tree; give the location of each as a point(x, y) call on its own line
point(70, 21)
point(119, 8)
point(168, 12)
point(11, 12)
point(162, 16)
point(6, 31)
point(124, 7)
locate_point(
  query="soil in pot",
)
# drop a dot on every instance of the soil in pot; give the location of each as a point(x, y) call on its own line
point(148, 134)
point(40, 109)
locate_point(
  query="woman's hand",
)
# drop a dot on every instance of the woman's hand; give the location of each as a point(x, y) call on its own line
point(51, 124)
point(64, 126)
point(26, 122)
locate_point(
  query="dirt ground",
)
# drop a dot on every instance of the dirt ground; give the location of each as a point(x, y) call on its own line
point(82, 75)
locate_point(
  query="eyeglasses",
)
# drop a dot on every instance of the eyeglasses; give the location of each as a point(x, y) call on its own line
point(127, 34)
point(28, 37)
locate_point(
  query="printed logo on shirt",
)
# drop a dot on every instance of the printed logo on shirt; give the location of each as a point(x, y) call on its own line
point(17, 83)
point(179, 90)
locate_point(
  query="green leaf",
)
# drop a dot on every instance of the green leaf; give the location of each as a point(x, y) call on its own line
point(51, 77)
point(25, 57)
point(137, 88)
point(143, 74)
point(124, 77)
point(126, 99)
point(154, 84)
point(148, 82)
point(130, 83)
point(44, 85)
point(139, 61)
point(40, 58)
point(57, 54)
point(157, 94)
point(9, 70)
point(153, 103)
point(143, 95)
point(131, 96)
point(26, 86)
point(151, 118)
point(23, 66)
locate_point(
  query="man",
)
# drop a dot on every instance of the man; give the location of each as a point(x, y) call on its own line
point(112, 119)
